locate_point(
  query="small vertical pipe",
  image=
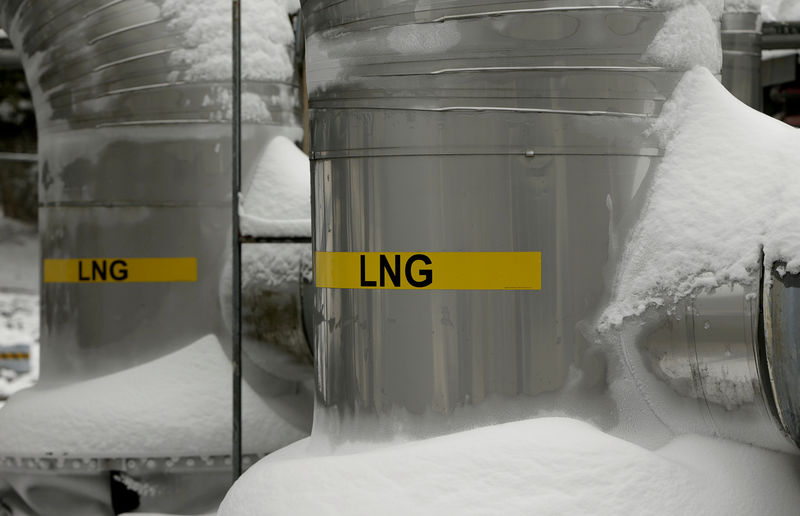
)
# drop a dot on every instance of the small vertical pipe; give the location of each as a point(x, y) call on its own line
point(236, 262)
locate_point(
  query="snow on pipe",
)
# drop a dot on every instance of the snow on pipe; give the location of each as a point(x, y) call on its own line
point(133, 107)
point(508, 127)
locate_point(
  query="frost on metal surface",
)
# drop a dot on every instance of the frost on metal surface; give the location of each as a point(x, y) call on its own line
point(267, 49)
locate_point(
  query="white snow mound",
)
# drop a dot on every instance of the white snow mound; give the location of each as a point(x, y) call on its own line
point(689, 37)
point(278, 202)
point(728, 185)
point(177, 405)
point(548, 466)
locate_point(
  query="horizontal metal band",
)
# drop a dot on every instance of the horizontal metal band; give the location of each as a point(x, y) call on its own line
point(429, 271)
point(544, 10)
point(350, 16)
point(494, 109)
point(530, 153)
point(120, 270)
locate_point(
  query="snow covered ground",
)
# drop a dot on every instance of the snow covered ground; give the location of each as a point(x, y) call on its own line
point(548, 466)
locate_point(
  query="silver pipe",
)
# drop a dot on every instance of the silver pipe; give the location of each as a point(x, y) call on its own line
point(781, 310)
point(236, 244)
point(741, 56)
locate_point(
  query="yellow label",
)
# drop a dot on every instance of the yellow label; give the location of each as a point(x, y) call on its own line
point(120, 270)
point(432, 271)
point(14, 356)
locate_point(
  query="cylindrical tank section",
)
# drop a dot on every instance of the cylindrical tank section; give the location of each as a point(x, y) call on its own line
point(496, 128)
point(485, 132)
point(741, 56)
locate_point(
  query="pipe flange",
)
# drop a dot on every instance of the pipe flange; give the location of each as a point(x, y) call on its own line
point(781, 347)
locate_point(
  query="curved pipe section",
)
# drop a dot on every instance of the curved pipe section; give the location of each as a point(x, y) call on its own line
point(133, 108)
point(134, 162)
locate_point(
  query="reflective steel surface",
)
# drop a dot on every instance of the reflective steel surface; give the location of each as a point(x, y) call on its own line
point(709, 353)
point(741, 56)
point(134, 162)
point(510, 126)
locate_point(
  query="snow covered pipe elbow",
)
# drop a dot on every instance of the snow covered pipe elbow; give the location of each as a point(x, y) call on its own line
point(133, 105)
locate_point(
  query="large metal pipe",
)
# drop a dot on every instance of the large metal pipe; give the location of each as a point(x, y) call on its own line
point(133, 106)
point(501, 127)
point(504, 127)
point(741, 56)
point(133, 157)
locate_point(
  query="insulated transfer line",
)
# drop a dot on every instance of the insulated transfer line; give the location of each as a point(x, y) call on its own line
point(236, 249)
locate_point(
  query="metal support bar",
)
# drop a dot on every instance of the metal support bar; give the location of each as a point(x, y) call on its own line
point(236, 262)
point(248, 239)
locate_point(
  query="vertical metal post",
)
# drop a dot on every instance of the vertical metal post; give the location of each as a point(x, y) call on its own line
point(236, 241)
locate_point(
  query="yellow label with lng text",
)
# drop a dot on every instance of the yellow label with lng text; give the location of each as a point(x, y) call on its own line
point(431, 271)
point(119, 270)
